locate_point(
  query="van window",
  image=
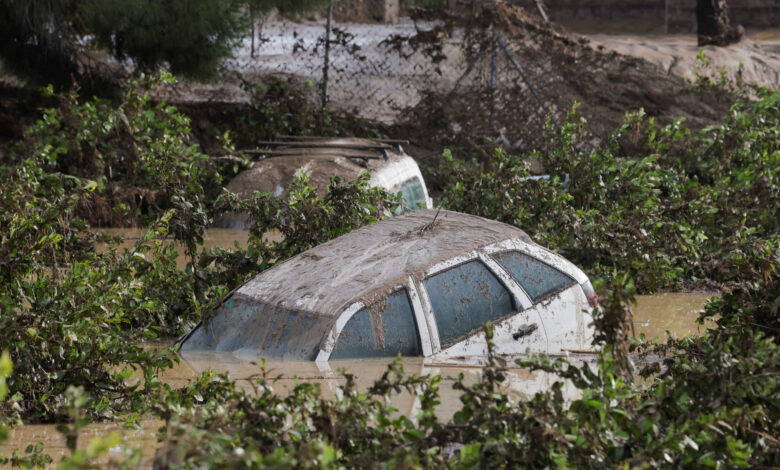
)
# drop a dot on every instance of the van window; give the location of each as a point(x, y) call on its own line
point(390, 332)
point(538, 279)
point(412, 194)
point(464, 298)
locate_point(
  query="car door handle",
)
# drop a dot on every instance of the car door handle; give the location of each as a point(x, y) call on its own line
point(525, 330)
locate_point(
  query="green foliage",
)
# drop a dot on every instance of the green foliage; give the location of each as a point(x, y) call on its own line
point(74, 317)
point(665, 205)
point(279, 106)
point(139, 153)
point(6, 367)
point(191, 37)
point(54, 40)
point(661, 205)
point(705, 81)
point(98, 447)
point(304, 219)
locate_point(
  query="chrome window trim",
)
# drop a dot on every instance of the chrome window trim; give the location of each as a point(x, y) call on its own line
point(423, 327)
point(509, 282)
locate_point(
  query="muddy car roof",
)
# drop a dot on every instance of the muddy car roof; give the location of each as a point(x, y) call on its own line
point(320, 158)
point(368, 263)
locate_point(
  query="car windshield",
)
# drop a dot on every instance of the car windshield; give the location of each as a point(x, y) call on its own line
point(413, 194)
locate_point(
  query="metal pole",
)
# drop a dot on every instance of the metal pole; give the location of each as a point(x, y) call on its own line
point(327, 55)
point(540, 6)
point(517, 66)
point(666, 16)
point(492, 81)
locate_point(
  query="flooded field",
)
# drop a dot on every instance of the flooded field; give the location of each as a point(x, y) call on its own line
point(654, 315)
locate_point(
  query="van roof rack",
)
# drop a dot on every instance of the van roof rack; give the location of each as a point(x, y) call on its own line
point(303, 138)
point(258, 153)
point(318, 137)
point(327, 145)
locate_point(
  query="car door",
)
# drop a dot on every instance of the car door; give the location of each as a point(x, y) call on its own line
point(556, 296)
point(462, 294)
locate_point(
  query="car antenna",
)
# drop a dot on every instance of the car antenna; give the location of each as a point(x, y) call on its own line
point(430, 224)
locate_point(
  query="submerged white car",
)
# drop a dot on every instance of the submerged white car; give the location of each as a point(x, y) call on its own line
point(323, 157)
point(419, 284)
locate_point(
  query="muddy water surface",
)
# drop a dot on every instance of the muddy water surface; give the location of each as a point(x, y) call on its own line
point(653, 316)
point(213, 238)
point(673, 312)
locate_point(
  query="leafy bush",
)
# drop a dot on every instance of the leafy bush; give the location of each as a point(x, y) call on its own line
point(669, 206)
point(701, 402)
point(140, 153)
point(285, 106)
point(73, 317)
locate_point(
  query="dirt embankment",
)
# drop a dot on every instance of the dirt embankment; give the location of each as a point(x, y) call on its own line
point(564, 68)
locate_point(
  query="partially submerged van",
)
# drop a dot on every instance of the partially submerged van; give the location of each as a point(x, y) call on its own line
point(323, 157)
point(420, 284)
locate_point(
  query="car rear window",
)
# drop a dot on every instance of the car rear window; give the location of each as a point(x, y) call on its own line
point(538, 279)
point(464, 298)
point(244, 323)
point(390, 332)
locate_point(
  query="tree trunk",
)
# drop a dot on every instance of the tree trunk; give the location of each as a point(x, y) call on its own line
point(713, 26)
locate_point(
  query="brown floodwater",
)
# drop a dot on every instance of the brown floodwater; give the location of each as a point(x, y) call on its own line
point(676, 313)
point(212, 238)
point(654, 315)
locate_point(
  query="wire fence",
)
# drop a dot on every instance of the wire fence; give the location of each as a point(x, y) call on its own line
point(373, 71)
point(354, 68)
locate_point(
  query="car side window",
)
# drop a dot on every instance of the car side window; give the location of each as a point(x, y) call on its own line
point(380, 334)
point(538, 279)
point(464, 298)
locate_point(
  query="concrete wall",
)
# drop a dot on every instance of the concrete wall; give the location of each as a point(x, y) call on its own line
point(382, 11)
point(682, 17)
point(755, 13)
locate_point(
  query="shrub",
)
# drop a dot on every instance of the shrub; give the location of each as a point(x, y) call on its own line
point(666, 205)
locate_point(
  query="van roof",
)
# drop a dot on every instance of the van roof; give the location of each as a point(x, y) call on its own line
point(369, 263)
point(319, 157)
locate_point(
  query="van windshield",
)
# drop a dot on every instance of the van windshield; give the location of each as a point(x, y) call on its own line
point(413, 194)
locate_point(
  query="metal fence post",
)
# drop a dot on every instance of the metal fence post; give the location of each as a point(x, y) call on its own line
point(326, 64)
point(492, 81)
